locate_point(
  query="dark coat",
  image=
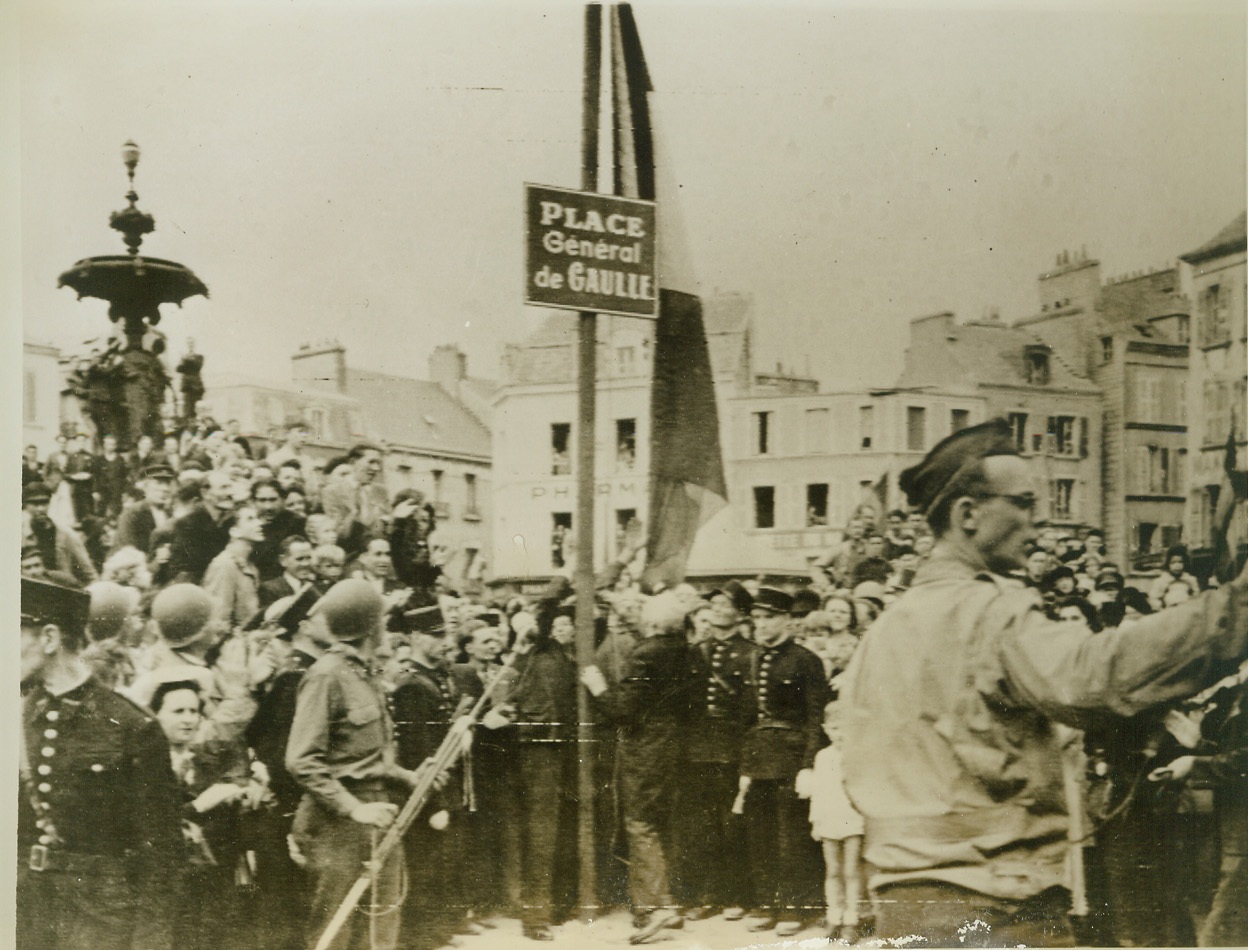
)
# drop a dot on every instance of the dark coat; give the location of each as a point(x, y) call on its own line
point(788, 690)
point(265, 554)
point(197, 539)
point(273, 591)
point(722, 705)
point(135, 527)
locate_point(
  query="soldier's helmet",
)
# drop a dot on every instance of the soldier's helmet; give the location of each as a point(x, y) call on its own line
point(182, 611)
point(351, 609)
point(111, 605)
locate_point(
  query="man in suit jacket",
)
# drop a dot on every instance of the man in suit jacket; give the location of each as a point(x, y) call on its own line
point(359, 498)
point(136, 524)
point(110, 477)
point(279, 524)
point(296, 560)
point(202, 533)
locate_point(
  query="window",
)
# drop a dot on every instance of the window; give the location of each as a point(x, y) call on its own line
point(866, 425)
point(1158, 470)
point(1183, 329)
point(762, 433)
point(625, 444)
point(959, 419)
point(1144, 532)
point(764, 506)
point(560, 437)
point(622, 517)
point(818, 431)
point(560, 529)
point(1107, 349)
point(816, 505)
point(29, 408)
point(1063, 493)
point(315, 418)
point(1214, 310)
point(470, 491)
point(1217, 409)
point(1018, 428)
point(436, 475)
point(1148, 405)
point(625, 359)
point(916, 424)
point(1062, 435)
point(1037, 362)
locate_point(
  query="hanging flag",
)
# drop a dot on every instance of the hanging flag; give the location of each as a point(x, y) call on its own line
point(686, 466)
point(1228, 535)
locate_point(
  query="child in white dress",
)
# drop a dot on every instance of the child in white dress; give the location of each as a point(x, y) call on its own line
point(839, 829)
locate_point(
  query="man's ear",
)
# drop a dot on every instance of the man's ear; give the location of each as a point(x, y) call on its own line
point(50, 638)
point(965, 514)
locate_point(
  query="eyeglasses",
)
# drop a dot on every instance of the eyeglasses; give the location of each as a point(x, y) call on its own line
point(1021, 502)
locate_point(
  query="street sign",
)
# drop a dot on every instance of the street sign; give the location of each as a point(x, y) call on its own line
point(590, 252)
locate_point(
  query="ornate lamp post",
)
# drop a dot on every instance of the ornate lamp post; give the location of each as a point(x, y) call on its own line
point(125, 384)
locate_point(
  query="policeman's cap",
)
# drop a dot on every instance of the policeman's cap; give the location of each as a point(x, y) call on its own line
point(941, 472)
point(36, 492)
point(160, 470)
point(426, 620)
point(47, 602)
point(736, 593)
point(773, 600)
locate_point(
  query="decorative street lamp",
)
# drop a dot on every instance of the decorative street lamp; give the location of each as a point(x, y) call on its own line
point(124, 385)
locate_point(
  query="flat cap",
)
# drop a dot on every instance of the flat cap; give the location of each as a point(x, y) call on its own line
point(938, 476)
point(46, 602)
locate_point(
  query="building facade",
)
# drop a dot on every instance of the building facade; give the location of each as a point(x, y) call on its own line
point(1213, 277)
point(1129, 337)
point(43, 382)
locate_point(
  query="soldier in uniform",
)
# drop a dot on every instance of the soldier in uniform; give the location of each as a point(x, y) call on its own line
point(713, 875)
point(787, 692)
point(425, 701)
point(341, 751)
point(99, 834)
point(950, 749)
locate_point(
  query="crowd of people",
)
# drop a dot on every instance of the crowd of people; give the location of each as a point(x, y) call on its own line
point(238, 667)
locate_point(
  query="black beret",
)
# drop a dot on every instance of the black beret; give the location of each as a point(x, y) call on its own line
point(47, 602)
point(931, 481)
point(773, 600)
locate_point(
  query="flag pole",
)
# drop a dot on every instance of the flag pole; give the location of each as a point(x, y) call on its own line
point(587, 382)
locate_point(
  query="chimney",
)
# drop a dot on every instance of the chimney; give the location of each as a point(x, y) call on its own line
point(321, 365)
point(448, 367)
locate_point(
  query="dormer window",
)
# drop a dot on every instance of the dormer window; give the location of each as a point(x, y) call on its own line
point(1037, 365)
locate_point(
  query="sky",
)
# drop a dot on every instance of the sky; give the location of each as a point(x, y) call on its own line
point(355, 170)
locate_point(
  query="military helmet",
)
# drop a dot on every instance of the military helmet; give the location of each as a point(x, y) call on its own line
point(352, 610)
point(182, 611)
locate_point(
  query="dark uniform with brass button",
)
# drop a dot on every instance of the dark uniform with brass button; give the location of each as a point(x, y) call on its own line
point(99, 832)
point(713, 876)
point(789, 691)
point(423, 704)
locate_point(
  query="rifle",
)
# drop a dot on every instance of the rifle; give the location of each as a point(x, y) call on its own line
point(428, 775)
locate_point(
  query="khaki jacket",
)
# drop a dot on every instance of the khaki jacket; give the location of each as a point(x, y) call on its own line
point(950, 749)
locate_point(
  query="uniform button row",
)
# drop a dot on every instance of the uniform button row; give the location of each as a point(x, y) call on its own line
point(45, 787)
point(44, 769)
point(48, 752)
point(50, 733)
point(53, 715)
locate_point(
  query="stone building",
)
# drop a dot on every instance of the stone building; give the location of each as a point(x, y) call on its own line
point(1213, 278)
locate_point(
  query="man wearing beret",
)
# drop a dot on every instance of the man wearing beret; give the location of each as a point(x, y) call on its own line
point(99, 835)
point(341, 751)
point(950, 748)
point(788, 690)
point(712, 837)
